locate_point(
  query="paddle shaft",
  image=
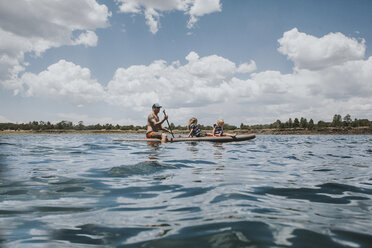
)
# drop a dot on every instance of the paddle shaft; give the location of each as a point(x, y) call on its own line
point(170, 129)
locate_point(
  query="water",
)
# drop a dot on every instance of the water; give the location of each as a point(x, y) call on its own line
point(274, 191)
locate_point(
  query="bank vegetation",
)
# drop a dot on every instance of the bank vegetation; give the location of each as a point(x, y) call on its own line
point(338, 125)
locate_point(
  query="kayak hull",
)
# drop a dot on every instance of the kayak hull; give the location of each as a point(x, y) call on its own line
point(240, 137)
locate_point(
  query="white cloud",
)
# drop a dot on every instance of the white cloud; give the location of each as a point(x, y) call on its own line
point(152, 20)
point(310, 52)
point(247, 67)
point(152, 10)
point(200, 82)
point(210, 87)
point(34, 26)
point(202, 7)
point(89, 38)
point(319, 86)
point(64, 80)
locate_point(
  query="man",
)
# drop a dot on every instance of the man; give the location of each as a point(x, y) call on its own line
point(154, 126)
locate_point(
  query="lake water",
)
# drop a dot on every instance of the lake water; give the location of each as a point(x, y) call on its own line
point(273, 191)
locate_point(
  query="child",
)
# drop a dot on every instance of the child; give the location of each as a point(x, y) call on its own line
point(218, 129)
point(194, 128)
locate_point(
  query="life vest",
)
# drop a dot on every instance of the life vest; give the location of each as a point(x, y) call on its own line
point(218, 130)
point(195, 130)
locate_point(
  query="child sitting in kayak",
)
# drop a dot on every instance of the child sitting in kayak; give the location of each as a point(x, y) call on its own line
point(218, 129)
point(194, 128)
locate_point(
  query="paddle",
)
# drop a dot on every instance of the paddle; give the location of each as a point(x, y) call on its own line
point(170, 129)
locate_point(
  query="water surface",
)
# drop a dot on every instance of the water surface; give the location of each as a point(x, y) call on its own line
point(274, 191)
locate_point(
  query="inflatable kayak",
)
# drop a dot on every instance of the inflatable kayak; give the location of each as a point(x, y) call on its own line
point(239, 137)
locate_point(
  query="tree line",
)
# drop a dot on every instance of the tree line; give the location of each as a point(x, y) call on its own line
point(338, 122)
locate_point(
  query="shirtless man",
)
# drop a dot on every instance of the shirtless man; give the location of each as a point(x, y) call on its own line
point(154, 124)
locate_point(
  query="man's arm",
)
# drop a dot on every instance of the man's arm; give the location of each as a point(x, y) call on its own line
point(165, 129)
point(154, 122)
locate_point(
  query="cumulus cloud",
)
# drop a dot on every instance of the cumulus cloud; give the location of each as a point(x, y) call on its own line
point(247, 67)
point(323, 83)
point(34, 26)
point(202, 7)
point(212, 86)
point(64, 80)
point(310, 52)
point(89, 38)
point(201, 81)
point(152, 10)
point(209, 86)
point(152, 20)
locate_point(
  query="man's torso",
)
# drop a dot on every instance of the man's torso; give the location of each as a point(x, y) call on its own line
point(151, 127)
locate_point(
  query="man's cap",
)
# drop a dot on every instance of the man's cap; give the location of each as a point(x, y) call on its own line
point(156, 105)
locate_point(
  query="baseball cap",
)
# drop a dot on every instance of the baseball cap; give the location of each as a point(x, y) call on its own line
point(156, 105)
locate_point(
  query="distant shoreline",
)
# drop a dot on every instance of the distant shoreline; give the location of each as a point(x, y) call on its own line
point(267, 131)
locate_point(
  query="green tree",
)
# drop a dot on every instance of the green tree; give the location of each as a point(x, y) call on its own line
point(322, 124)
point(290, 123)
point(296, 122)
point(303, 122)
point(277, 124)
point(310, 126)
point(49, 125)
point(172, 126)
point(337, 120)
point(80, 125)
point(347, 120)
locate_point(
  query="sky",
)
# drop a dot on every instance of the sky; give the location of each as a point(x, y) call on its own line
point(246, 61)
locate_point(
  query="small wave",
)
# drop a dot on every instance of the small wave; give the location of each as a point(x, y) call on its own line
point(235, 196)
point(58, 180)
point(303, 238)
point(94, 147)
point(323, 170)
point(232, 234)
point(190, 192)
point(191, 161)
point(91, 234)
point(186, 209)
point(293, 157)
point(148, 167)
point(6, 144)
point(322, 193)
point(358, 239)
point(49, 209)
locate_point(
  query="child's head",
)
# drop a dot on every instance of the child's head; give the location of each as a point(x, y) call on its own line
point(193, 120)
point(220, 122)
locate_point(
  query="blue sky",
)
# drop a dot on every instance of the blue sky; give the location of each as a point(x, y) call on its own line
point(245, 61)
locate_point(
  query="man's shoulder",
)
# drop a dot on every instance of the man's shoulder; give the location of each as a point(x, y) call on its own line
point(151, 116)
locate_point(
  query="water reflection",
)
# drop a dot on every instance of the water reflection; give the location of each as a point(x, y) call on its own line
point(218, 151)
point(154, 148)
point(192, 147)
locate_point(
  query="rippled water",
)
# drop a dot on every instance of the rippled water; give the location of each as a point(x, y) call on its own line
point(274, 191)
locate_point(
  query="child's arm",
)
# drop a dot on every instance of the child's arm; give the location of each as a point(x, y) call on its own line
point(190, 133)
